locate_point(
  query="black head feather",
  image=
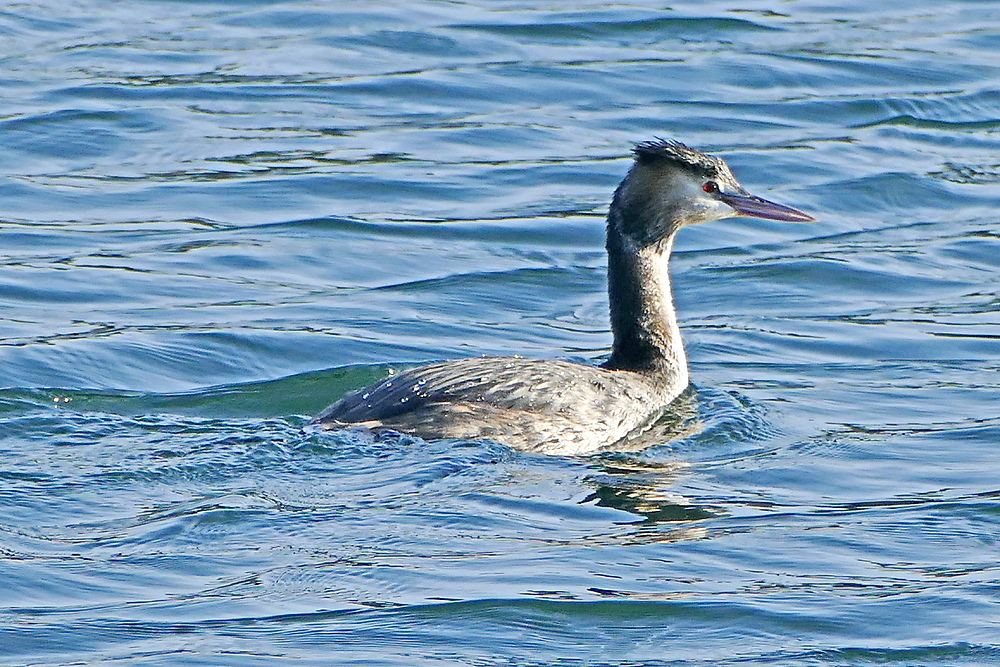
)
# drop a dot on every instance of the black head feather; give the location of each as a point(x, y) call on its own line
point(650, 152)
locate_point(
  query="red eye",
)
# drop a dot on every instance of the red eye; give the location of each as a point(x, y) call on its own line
point(711, 187)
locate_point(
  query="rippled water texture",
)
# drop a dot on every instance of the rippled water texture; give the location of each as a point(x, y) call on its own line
point(219, 216)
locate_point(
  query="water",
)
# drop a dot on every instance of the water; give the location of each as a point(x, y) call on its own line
point(219, 216)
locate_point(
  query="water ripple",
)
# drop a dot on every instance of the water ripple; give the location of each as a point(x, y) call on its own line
point(219, 217)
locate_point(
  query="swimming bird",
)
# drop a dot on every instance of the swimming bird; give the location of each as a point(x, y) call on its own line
point(563, 407)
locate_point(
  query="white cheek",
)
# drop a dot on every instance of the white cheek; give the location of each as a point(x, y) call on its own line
point(698, 206)
point(707, 210)
point(722, 210)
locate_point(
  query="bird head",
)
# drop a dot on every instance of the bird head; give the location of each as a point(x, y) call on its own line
point(671, 185)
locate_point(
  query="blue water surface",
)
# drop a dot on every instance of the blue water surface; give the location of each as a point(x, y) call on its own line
point(219, 216)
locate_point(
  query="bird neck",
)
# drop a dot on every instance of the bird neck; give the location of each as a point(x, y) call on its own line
point(643, 320)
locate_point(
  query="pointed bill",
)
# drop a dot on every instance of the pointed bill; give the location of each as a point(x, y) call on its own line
point(747, 204)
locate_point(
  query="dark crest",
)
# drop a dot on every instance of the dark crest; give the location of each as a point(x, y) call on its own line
point(649, 152)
